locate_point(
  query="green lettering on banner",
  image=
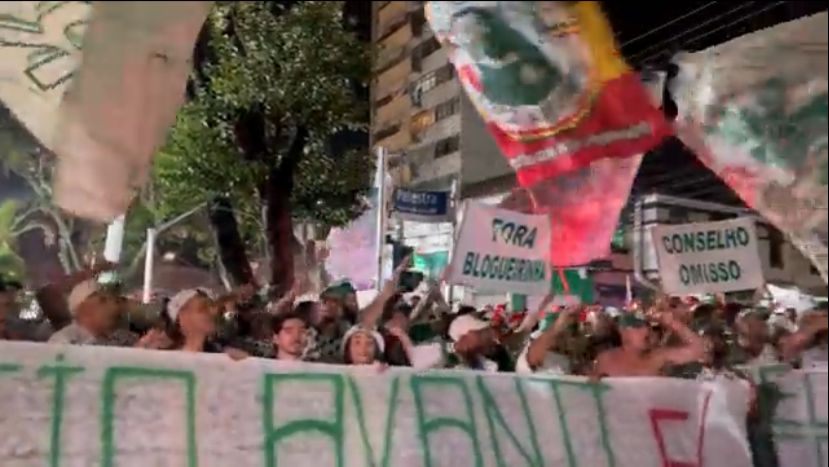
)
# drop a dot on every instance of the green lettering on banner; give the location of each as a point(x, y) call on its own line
point(391, 405)
point(530, 243)
point(108, 395)
point(596, 390)
point(494, 415)
point(742, 236)
point(6, 368)
point(426, 426)
point(332, 429)
point(61, 373)
point(496, 228)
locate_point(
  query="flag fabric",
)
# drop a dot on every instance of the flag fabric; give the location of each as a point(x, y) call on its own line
point(98, 84)
point(549, 83)
point(582, 206)
point(754, 110)
point(40, 44)
point(353, 249)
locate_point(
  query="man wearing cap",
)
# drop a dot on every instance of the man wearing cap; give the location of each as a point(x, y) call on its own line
point(95, 313)
point(809, 343)
point(636, 358)
point(476, 345)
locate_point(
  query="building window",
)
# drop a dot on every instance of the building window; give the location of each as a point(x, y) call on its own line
point(447, 109)
point(447, 146)
point(421, 121)
point(776, 242)
point(431, 80)
point(418, 20)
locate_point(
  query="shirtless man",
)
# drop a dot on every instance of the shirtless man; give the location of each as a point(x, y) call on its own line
point(636, 358)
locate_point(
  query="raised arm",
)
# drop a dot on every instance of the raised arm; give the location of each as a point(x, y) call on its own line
point(547, 340)
point(370, 315)
point(793, 344)
point(691, 349)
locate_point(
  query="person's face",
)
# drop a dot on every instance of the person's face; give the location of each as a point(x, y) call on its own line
point(331, 309)
point(635, 337)
point(476, 342)
point(362, 349)
point(399, 320)
point(791, 314)
point(100, 312)
point(415, 301)
point(198, 317)
point(350, 302)
point(755, 330)
point(290, 340)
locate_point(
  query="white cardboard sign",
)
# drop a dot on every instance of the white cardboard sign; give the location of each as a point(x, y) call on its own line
point(502, 251)
point(708, 257)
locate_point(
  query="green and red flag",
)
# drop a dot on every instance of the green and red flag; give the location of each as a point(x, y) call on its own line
point(754, 110)
point(549, 82)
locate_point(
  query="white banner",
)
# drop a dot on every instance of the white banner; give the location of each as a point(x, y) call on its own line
point(81, 406)
point(502, 251)
point(708, 257)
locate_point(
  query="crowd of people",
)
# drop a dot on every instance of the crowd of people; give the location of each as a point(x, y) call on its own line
point(679, 337)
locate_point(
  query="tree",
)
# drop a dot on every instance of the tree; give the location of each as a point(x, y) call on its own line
point(273, 87)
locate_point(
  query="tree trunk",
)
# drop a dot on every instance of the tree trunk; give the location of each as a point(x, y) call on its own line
point(229, 243)
point(279, 223)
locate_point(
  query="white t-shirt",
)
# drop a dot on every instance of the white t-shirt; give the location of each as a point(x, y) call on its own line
point(554, 364)
point(72, 334)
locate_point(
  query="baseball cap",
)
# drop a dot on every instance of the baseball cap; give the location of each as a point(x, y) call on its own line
point(80, 293)
point(631, 320)
point(464, 324)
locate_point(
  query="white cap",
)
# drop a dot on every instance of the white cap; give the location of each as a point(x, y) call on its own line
point(80, 293)
point(462, 325)
point(378, 339)
point(180, 299)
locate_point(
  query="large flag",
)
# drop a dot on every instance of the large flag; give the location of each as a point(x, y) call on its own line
point(583, 208)
point(98, 84)
point(755, 111)
point(549, 83)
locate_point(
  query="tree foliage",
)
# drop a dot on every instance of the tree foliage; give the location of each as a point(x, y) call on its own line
point(268, 71)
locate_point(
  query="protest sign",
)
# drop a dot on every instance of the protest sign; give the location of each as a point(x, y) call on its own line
point(708, 257)
point(422, 206)
point(78, 406)
point(502, 251)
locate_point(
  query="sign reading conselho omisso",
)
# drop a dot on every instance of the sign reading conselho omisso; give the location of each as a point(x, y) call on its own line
point(502, 251)
point(708, 257)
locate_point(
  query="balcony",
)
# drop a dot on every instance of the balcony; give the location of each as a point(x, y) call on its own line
point(394, 109)
point(394, 138)
point(393, 78)
point(390, 17)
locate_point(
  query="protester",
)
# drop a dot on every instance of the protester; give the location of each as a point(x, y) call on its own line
point(362, 346)
point(95, 317)
point(290, 335)
point(637, 358)
point(753, 345)
point(545, 352)
point(476, 344)
point(809, 342)
point(9, 307)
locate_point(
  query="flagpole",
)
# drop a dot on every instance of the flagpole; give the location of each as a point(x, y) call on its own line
point(453, 195)
point(380, 185)
point(112, 247)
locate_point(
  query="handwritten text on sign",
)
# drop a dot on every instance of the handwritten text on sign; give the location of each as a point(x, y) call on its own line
point(708, 257)
point(74, 406)
point(502, 251)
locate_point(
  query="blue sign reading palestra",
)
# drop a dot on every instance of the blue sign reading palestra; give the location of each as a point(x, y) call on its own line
point(423, 206)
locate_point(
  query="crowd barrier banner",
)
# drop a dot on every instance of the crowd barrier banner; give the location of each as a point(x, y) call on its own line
point(81, 406)
point(707, 257)
point(799, 425)
point(499, 250)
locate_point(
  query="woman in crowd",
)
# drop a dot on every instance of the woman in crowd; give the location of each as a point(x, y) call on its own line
point(362, 346)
